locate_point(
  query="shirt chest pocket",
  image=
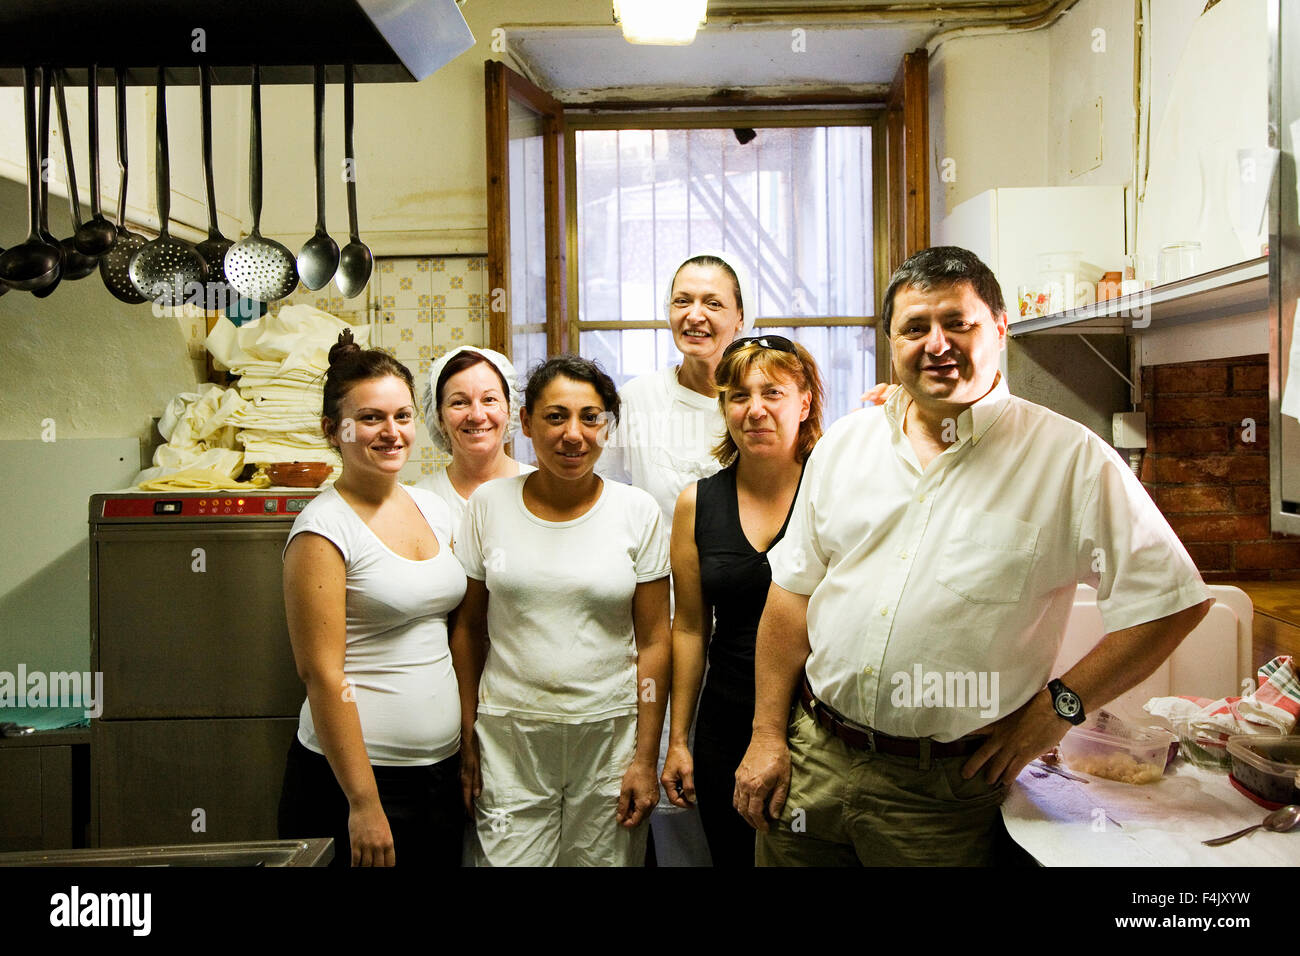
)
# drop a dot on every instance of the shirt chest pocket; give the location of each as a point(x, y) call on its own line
point(988, 557)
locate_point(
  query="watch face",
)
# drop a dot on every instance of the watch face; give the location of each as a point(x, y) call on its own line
point(1067, 705)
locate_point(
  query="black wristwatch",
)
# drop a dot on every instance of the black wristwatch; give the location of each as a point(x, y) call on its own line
point(1066, 702)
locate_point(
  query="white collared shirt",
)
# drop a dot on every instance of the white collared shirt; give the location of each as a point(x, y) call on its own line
point(961, 577)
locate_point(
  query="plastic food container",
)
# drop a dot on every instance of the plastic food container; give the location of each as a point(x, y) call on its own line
point(1204, 752)
point(1267, 766)
point(1138, 756)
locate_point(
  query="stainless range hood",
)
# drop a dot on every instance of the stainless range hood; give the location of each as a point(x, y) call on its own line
point(389, 41)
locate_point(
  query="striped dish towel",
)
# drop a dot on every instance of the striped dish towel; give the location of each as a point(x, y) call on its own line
point(1271, 709)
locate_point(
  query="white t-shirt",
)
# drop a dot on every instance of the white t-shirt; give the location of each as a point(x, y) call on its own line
point(664, 438)
point(396, 657)
point(562, 645)
point(440, 484)
point(969, 566)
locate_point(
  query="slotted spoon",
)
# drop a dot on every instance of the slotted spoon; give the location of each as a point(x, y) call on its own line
point(167, 270)
point(113, 264)
point(260, 268)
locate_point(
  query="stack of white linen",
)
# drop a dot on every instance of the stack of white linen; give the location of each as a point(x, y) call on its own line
point(281, 362)
point(201, 452)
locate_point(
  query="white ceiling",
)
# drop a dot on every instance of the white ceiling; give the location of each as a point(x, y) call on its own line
point(570, 60)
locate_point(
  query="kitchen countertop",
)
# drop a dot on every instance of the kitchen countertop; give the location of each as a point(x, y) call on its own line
point(1106, 823)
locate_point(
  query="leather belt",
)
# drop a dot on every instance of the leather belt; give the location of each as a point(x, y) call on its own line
point(864, 738)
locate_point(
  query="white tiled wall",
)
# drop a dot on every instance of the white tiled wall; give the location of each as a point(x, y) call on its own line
point(421, 307)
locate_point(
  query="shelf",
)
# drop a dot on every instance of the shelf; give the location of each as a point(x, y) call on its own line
point(1233, 290)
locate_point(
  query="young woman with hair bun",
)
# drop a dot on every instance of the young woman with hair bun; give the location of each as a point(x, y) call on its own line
point(369, 579)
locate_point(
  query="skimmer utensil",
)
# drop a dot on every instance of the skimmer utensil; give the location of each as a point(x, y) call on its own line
point(167, 270)
point(259, 268)
point(113, 264)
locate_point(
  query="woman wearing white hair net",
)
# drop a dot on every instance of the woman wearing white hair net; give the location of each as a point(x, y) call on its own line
point(471, 407)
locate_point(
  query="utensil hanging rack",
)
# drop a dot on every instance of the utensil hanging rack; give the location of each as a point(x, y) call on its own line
point(286, 37)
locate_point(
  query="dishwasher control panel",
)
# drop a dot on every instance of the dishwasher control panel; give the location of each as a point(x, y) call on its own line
point(204, 505)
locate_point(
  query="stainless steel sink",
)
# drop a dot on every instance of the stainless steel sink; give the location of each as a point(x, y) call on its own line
point(317, 852)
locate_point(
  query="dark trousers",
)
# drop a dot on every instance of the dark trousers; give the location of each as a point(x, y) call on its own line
point(423, 806)
point(722, 732)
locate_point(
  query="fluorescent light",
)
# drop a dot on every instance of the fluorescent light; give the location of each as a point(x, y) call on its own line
point(662, 22)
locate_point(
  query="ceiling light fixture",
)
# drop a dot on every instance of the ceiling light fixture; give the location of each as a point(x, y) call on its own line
point(660, 22)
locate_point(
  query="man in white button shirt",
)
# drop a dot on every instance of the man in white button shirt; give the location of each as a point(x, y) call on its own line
point(923, 587)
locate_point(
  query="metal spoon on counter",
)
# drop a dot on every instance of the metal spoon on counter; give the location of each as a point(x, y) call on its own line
point(356, 262)
point(96, 235)
point(1279, 821)
point(35, 263)
point(76, 264)
point(319, 258)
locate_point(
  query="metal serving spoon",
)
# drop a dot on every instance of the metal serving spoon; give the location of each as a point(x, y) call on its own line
point(1279, 821)
point(319, 258)
point(33, 264)
point(356, 261)
point(76, 264)
point(96, 235)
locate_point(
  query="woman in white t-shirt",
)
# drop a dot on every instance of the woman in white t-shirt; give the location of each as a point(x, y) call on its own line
point(562, 644)
point(369, 579)
point(471, 408)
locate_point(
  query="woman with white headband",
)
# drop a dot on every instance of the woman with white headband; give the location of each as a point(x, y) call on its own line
point(471, 407)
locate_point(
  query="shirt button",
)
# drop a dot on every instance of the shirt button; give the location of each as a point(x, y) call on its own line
point(884, 612)
point(903, 555)
point(867, 670)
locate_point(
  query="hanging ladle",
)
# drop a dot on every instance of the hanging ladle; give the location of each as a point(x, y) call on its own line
point(260, 268)
point(113, 264)
point(76, 264)
point(96, 235)
point(319, 258)
point(355, 261)
point(213, 249)
point(35, 263)
point(43, 151)
point(167, 270)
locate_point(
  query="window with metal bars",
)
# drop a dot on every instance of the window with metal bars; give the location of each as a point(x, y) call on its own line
point(794, 203)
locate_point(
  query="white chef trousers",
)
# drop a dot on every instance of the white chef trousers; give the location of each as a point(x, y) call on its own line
point(550, 792)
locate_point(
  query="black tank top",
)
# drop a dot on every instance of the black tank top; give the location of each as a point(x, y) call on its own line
point(734, 578)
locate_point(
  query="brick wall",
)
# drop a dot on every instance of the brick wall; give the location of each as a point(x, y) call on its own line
point(1207, 475)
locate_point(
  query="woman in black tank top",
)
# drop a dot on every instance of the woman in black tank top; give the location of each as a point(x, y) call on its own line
point(771, 397)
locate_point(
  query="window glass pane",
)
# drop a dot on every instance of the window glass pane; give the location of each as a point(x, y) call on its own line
point(792, 205)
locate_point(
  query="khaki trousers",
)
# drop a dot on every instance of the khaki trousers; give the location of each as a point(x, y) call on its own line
point(850, 807)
